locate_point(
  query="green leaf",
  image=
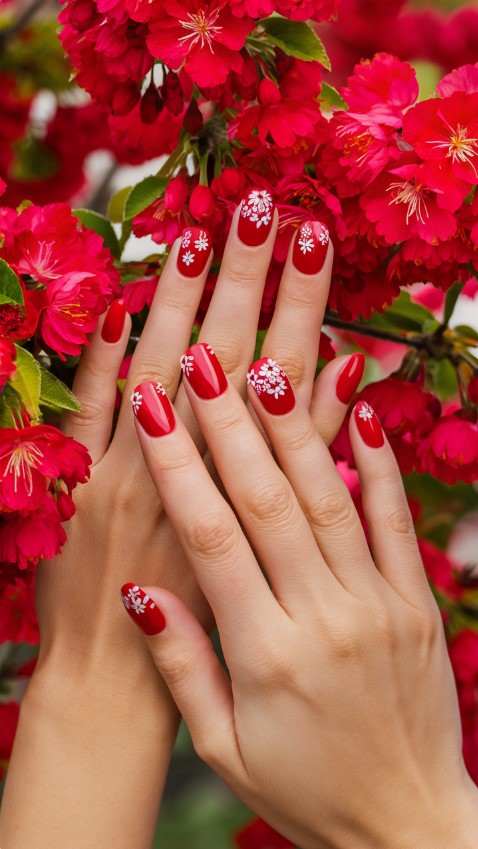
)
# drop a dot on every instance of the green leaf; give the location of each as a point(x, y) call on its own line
point(405, 315)
point(33, 161)
point(143, 195)
point(469, 333)
point(330, 98)
point(54, 393)
point(10, 286)
point(450, 301)
point(10, 407)
point(26, 381)
point(101, 225)
point(296, 38)
point(116, 205)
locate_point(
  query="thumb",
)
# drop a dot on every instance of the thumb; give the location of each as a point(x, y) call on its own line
point(184, 655)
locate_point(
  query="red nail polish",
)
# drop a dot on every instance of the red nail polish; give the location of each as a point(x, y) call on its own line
point(153, 409)
point(272, 386)
point(310, 247)
point(114, 321)
point(368, 425)
point(256, 217)
point(350, 377)
point(203, 371)
point(194, 251)
point(142, 609)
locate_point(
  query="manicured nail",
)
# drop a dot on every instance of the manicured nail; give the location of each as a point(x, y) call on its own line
point(368, 425)
point(272, 386)
point(194, 252)
point(203, 371)
point(310, 247)
point(114, 321)
point(142, 609)
point(255, 217)
point(153, 409)
point(350, 377)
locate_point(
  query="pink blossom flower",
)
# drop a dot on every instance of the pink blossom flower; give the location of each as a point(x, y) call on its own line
point(27, 537)
point(382, 89)
point(283, 119)
point(140, 293)
point(18, 621)
point(450, 451)
point(464, 79)
point(7, 360)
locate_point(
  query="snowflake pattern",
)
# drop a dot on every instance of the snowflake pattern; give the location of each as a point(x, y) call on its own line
point(269, 379)
point(135, 602)
point(187, 364)
point(257, 207)
point(324, 236)
point(186, 240)
point(136, 401)
point(160, 389)
point(366, 412)
point(188, 257)
point(306, 240)
point(202, 241)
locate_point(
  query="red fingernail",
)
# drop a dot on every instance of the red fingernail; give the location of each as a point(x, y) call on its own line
point(203, 371)
point(153, 409)
point(272, 386)
point(142, 609)
point(114, 321)
point(350, 377)
point(368, 425)
point(194, 252)
point(255, 217)
point(310, 247)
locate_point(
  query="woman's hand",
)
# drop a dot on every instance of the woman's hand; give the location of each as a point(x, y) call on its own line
point(339, 722)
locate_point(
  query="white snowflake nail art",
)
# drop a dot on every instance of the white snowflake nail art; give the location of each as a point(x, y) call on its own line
point(306, 239)
point(187, 364)
point(136, 602)
point(186, 240)
point(202, 241)
point(136, 401)
point(366, 412)
point(258, 207)
point(188, 258)
point(269, 379)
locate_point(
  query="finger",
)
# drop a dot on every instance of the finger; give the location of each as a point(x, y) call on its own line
point(392, 535)
point(168, 327)
point(333, 390)
point(95, 383)
point(184, 656)
point(294, 333)
point(205, 525)
point(262, 497)
point(306, 461)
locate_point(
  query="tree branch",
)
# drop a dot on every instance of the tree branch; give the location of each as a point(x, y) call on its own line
point(420, 342)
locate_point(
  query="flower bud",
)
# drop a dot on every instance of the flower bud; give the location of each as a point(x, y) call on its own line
point(193, 118)
point(172, 93)
point(151, 105)
point(202, 203)
point(176, 194)
point(230, 184)
point(269, 94)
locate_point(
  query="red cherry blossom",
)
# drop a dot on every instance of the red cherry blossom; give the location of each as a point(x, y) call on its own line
point(279, 119)
point(441, 570)
point(463, 651)
point(7, 360)
point(139, 293)
point(382, 89)
point(18, 621)
point(450, 451)
point(9, 716)
point(27, 537)
point(464, 79)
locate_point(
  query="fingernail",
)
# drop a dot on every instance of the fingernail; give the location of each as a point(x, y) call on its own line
point(114, 321)
point(203, 371)
point(310, 247)
point(272, 386)
point(368, 425)
point(153, 409)
point(142, 609)
point(255, 217)
point(350, 377)
point(194, 251)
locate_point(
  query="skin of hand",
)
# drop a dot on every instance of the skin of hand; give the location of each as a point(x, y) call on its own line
point(338, 721)
point(97, 723)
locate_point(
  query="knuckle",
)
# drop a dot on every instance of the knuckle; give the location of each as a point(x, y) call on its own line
point(231, 355)
point(302, 437)
point(293, 363)
point(175, 667)
point(92, 412)
point(151, 370)
point(242, 276)
point(214, 537)
point(270, 504)
point(331, 511)
point(399, 521)
point(231, 419)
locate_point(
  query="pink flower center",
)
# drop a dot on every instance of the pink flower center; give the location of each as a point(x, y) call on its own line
point(201, 27)
point(460, 148)
point(412, 196)
point(22, 460)
point(42, 263)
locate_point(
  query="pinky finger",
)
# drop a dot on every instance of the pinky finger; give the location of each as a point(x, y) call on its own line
point(334, 388)
point(95, 382)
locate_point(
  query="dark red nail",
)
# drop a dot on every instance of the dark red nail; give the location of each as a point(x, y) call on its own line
point(350, 377)
point(114, 321)
point(272, 386)
point(153, 409)
point(203, 371)
point(368, 425)
point(142, 609)
point(256, 217)
point(194, 252)
point(310, 247)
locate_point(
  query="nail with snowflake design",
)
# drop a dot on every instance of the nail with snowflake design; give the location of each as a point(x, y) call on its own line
point(368, 425)
point(256, 217)
point(194, 251)
point(153, 409)
point(203, 371)
point(272, 386)
point(310, 247)
point(142, 609)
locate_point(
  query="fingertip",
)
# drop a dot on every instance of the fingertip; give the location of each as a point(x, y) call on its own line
point(114, 322)
point(367, 424)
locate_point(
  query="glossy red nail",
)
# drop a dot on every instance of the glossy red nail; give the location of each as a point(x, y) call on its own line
point(310, 247)
point(114, 321)
point(350, 377)
point(368, 425)
point(272, 386)
point(256, 217)
point(153, 409)
point(142, 609)
point(203, 371)
point(194, 251)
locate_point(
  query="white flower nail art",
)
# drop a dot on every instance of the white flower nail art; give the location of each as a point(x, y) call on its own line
point(160, 389)
point(187, 364)
point(366, 412)
point(135, 602)
point(306, 239)
point(136, 401)
point(202, 241)
point(324, 236)
point(269, 379)
point(188, 258)
point(257, 207)
point(186, 240)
